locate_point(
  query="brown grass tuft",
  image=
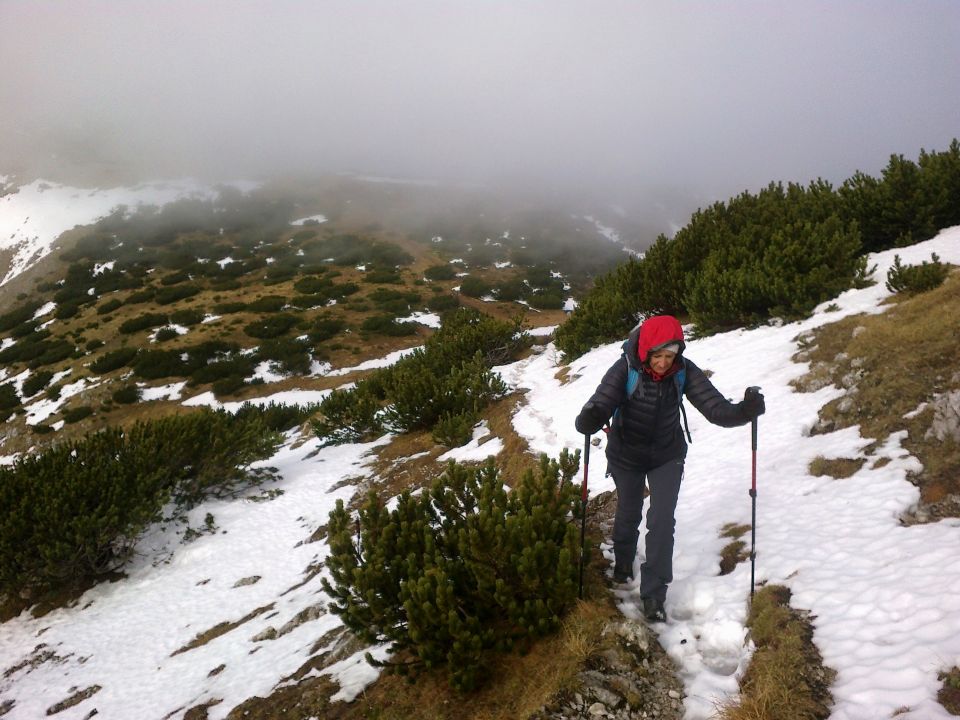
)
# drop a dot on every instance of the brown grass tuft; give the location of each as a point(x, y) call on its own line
point(837, 468)
point(890, 365)
point(786, 679)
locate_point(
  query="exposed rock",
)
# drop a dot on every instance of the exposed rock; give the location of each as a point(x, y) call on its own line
point(631, 676)
point(946, 417)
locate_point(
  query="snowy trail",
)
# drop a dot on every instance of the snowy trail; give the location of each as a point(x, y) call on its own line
point(887, 616)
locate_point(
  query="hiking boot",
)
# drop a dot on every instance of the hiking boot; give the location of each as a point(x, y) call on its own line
point(653, 610)
point(622, 573)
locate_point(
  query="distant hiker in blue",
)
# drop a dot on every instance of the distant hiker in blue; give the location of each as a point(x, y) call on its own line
point(640, 395)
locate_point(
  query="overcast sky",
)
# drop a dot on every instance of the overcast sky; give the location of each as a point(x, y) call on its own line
point(708, 98)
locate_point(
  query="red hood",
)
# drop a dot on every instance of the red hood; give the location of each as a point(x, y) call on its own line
point(656, 331)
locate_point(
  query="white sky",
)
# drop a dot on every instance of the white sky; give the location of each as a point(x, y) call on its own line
point(626, 100)
point(886, 598)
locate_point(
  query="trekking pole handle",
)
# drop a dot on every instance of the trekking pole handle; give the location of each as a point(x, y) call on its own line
point(753, 390)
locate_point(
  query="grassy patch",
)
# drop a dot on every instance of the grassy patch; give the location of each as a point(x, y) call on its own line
point(837, 468)
point(949, 693)
point(896, 369)
point(786, 679)
point(520, 684)
point(734, 552)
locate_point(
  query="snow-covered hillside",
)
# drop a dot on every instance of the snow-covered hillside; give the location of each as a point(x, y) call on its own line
point(36, 214)
point(885, 597)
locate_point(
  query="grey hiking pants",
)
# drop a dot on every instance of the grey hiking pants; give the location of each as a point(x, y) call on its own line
point(656, 571)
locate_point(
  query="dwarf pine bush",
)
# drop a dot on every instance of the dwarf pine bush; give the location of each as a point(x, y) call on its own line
point(450, 375)
point(916, 278)
point(75, 510)
point(462, 571)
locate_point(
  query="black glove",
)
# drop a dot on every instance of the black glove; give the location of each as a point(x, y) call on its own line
point(753, 405)
point(590, 419)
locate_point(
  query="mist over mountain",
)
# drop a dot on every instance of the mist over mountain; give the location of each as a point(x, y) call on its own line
point(652, 110)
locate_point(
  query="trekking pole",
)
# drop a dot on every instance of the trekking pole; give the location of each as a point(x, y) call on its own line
point(753, 494)
point(583, 509)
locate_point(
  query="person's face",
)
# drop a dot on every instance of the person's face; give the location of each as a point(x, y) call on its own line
point(661, 361)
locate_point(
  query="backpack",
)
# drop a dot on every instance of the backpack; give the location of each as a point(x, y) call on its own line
point(679, 379)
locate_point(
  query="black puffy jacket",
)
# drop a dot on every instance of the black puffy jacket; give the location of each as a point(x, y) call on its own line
point(646, 432)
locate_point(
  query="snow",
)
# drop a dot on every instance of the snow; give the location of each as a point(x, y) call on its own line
point(481, 446)
point(162, 392)
point(45, 309)
point(885, 598)
point(40, 410)
point(32, 218)
point(316, 218)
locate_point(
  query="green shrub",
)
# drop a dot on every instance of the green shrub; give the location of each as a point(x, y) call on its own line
point(76, 510)
point(143, 322)
point(156, 364)
point(126, 395)
point(442, 303)
point(267, 304)
point(109, 306)
point(292, 355)
point(462, 572)
point(19, 315)
point(113, 360)
point(175, 293)
point(229, 308)
point(278, 418)
point(512, 290)
point(67, 310)
point(227, 386)
point(208, 372)
point(388, 325)
point(76, 414)
point(916, 278)
point(547, 300)
point(141, 296)
point(177, 277)
point(311, 285)
point(474, 287)
point(440, 272)
point(187, 317)
point(51, 352)
point(383, 276)
point(94, 344)
point(421, 395)
point(8, 397)
point(454, 430)
point(324, 328)
point(166, 333)
point(350, 415)
point(448, 376)
point(271, 326)
point(35, 383)
point(24, 329)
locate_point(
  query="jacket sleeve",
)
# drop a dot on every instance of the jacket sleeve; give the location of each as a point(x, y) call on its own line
point(605, 399)
point(708, 400)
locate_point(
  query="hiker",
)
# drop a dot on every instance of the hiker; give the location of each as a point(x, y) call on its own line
point(645, 442)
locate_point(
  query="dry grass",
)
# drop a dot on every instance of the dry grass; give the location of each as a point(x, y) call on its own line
point(837, 468)
point(734, 552)
point(518, 685)
point(949, 693)
point(890, 365)
point(202, 638)
point(786, 679)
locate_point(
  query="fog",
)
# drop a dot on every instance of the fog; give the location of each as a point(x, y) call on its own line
point(630, 102)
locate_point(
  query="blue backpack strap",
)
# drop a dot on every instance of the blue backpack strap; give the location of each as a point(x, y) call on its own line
point(633, 379)
point(681, 379)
